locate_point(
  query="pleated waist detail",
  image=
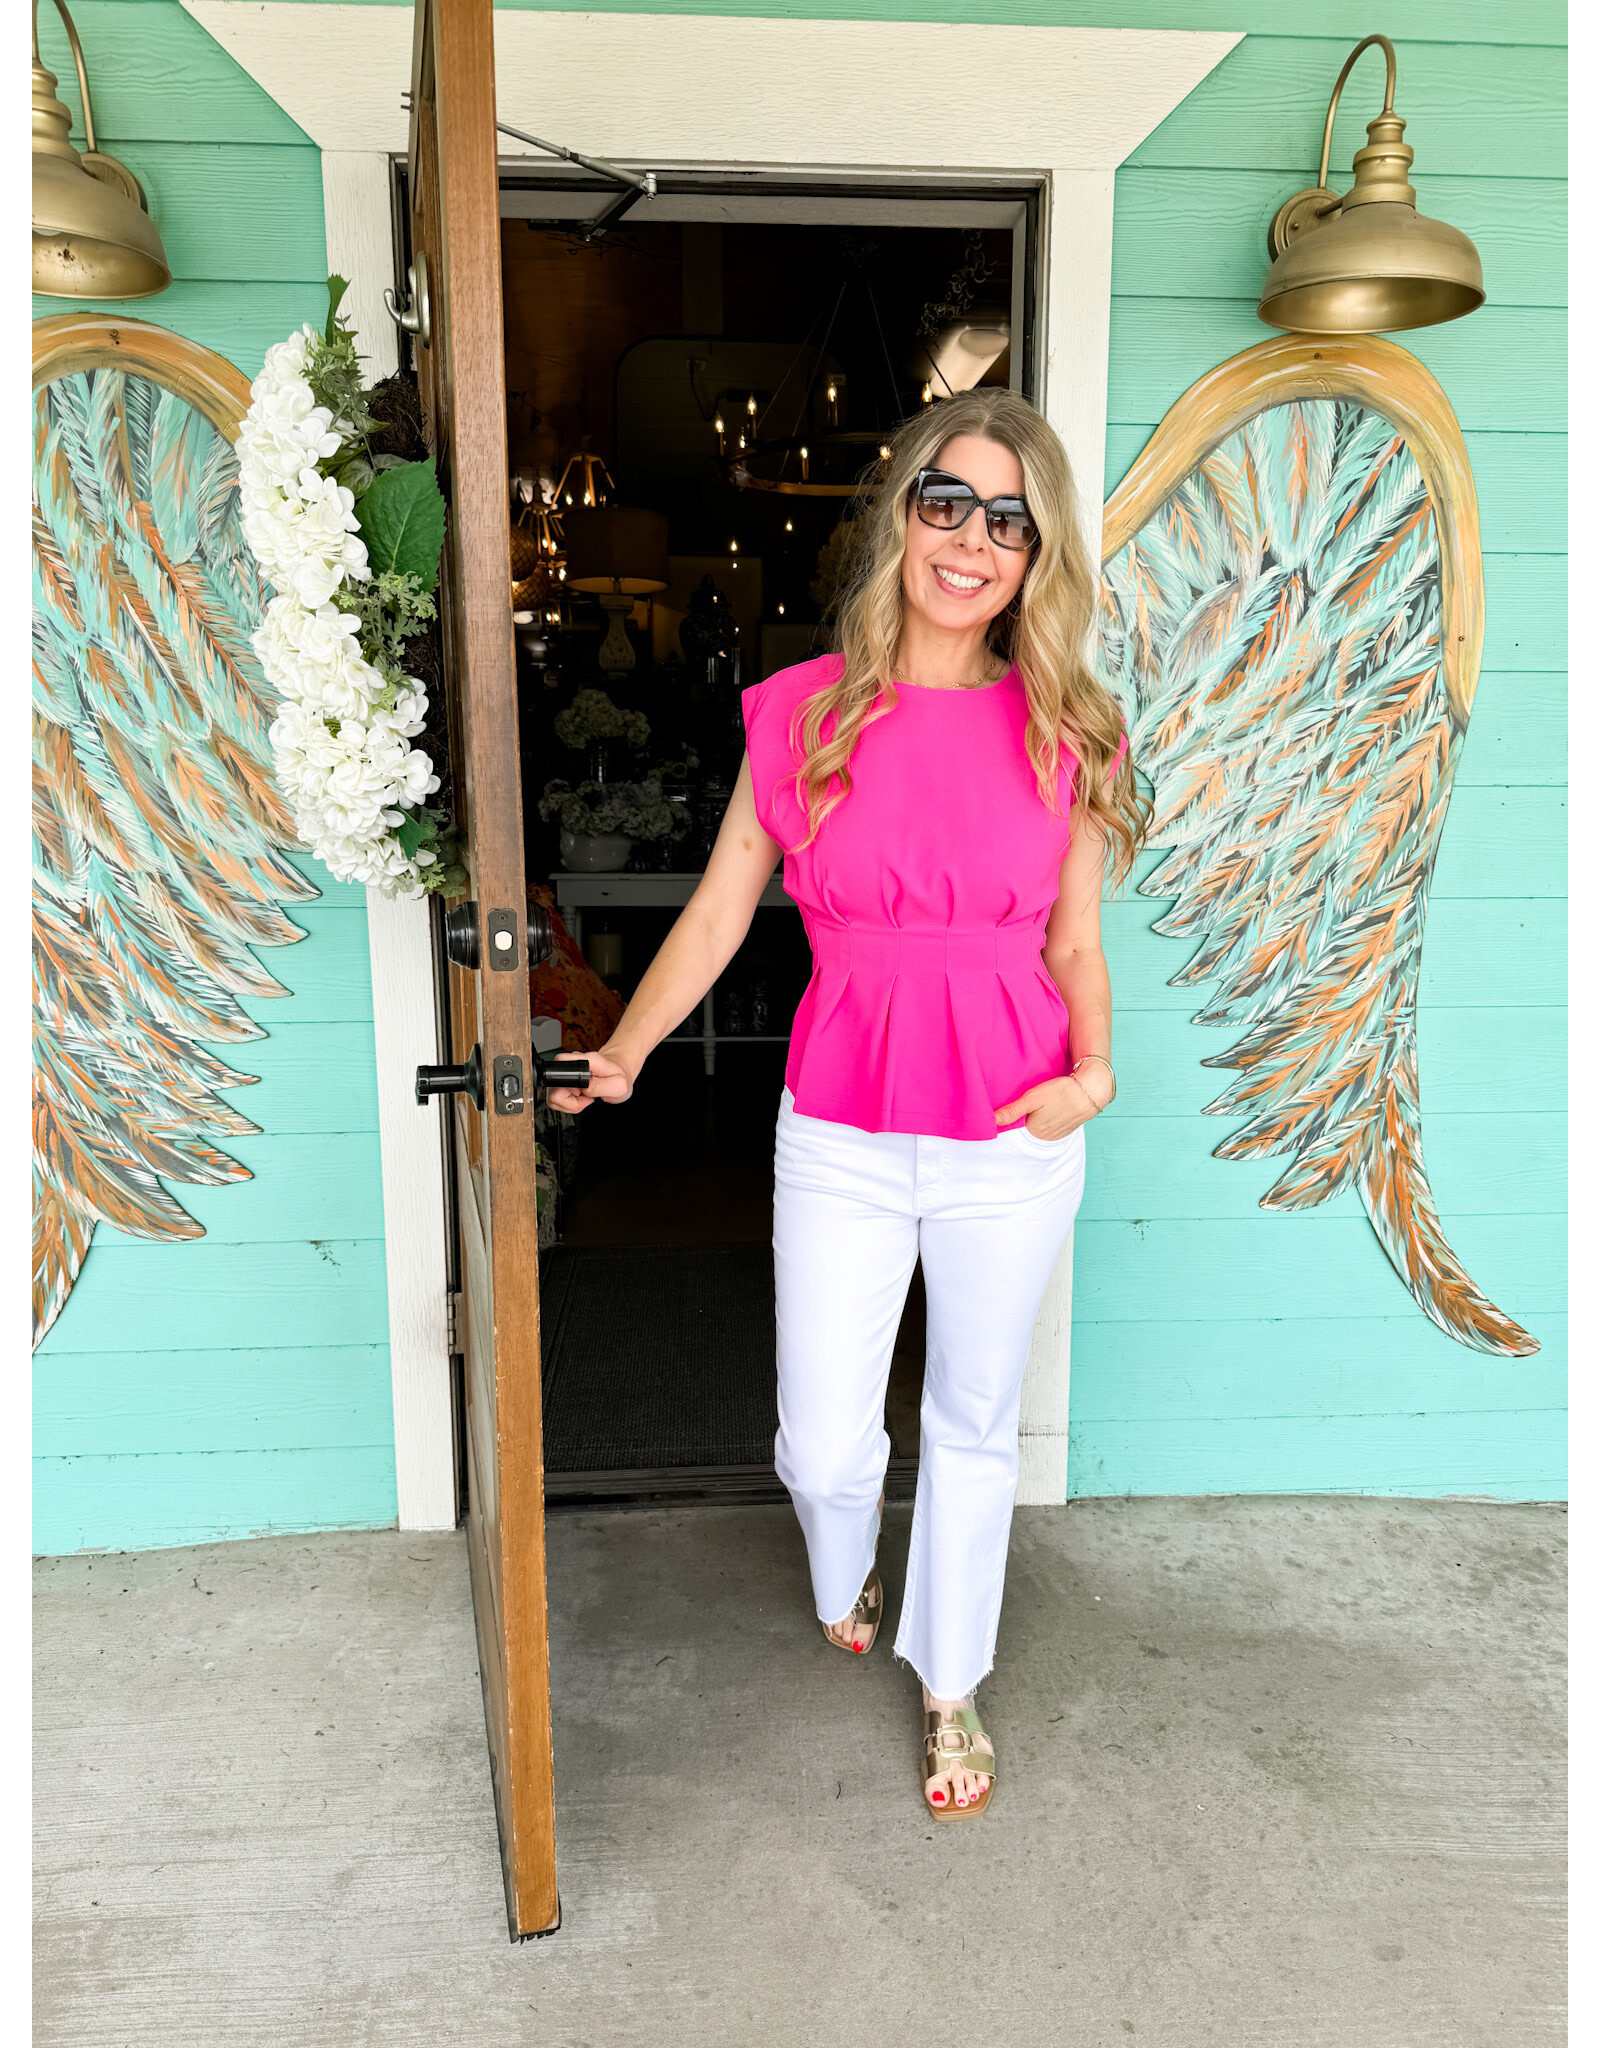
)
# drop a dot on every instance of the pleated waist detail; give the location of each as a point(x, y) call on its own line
point(927, 1029)
point(889, 949)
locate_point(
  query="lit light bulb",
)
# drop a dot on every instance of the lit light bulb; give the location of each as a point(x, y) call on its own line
point(883, 450)
point(733, 547)
point(780, 611)
point(788, 526)
point(833, 391)
point(750, 405)
point(927, 394)
point(562, 572)
point(720, 424)
point(569, 497)
point(741, 440)
point(588, 497)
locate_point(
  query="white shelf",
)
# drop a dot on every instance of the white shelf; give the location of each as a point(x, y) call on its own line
point(666, 892)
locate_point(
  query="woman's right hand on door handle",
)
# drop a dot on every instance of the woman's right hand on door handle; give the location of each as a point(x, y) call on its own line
point(609, 1081)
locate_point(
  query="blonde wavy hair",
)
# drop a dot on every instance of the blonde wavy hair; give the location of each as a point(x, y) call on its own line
point(1044, 630)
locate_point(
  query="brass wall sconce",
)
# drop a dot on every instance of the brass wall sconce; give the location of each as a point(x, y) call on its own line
point(1366, 263)
point(93, 237)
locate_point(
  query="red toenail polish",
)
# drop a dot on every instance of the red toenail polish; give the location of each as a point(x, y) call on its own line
point(938, 1799)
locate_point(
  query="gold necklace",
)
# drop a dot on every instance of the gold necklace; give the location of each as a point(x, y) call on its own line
point(983, 682)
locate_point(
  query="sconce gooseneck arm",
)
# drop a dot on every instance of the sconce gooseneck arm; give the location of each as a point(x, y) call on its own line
point(77, 58)
point(1368, 42)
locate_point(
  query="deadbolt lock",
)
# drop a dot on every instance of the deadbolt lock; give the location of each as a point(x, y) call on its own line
point(541, 935)
point(461, 934)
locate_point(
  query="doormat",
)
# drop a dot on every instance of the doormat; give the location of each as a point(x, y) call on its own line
point(658, 1356)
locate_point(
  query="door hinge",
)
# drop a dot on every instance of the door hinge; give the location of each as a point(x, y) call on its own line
point(452, 1330)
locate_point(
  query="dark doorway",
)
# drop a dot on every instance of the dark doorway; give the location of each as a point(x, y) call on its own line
point(636, 366)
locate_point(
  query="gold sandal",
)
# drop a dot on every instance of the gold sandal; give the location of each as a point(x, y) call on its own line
point(868, 1610)
point(947, 1745)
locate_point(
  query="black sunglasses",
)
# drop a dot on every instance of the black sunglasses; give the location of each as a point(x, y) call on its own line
point(946, 502)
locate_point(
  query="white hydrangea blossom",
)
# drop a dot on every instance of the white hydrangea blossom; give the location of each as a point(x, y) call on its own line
point(342, 750)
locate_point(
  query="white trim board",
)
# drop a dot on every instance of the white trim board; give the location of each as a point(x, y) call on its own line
point(736, 93)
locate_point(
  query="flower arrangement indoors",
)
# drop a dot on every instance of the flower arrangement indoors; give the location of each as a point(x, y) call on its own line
point(592, 716)
point(601, 820)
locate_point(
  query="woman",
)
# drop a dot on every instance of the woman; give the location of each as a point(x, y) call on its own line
point(942, 791)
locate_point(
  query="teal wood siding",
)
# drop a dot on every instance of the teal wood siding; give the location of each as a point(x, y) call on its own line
point(239, 1383)
point(1217, 1348)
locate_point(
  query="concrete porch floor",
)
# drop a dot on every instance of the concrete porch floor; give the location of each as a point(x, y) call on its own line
point(1281, 1771)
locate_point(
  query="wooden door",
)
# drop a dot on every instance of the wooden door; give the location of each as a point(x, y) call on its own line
point(459, 351)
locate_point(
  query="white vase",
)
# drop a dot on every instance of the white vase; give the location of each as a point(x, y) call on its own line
point(595, 853)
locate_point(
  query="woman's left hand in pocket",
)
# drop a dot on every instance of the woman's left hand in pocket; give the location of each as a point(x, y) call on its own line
point(1054, 1109)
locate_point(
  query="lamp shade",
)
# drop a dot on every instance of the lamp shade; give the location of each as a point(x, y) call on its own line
point(963, 353)
point(90, 241)
point(1368, 263)
point(1372, 269)
point(619, 550)
point(92, 238)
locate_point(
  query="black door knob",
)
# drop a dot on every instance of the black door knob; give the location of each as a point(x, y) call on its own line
point(561, 1069)
point(465, 1080)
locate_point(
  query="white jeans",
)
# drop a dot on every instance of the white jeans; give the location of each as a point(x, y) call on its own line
point(851, 1211)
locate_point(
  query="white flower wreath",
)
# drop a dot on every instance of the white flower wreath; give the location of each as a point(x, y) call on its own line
point(341, 739)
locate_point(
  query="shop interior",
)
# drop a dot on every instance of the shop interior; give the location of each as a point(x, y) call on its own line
point(695, 395)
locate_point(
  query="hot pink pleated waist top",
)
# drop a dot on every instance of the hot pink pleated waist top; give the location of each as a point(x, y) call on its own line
point(925, 897)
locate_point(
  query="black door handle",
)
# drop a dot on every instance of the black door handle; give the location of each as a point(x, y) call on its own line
point(554, 1069)
point(561, 1070)
point(465, 1080)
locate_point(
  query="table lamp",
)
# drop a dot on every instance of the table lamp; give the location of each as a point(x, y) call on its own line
point(616, 553)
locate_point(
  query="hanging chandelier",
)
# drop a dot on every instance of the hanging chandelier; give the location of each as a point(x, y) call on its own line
point(591, 485)
point(538, 565)
point(757, 453)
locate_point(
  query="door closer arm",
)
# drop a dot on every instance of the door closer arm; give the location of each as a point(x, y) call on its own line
point(636, 185)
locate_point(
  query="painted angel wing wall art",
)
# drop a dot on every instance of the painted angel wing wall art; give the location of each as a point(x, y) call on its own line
point(1291, 614)
point(158, 832)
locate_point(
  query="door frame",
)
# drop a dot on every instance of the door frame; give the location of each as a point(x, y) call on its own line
point(782, 99)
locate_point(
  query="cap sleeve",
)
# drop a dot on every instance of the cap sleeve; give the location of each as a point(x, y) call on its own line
point(770, 713)
point(772, 766)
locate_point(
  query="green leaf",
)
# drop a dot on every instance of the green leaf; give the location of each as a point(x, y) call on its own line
point(355, 475)
point(402, 522)
point(415, 829)
point(337, 287)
